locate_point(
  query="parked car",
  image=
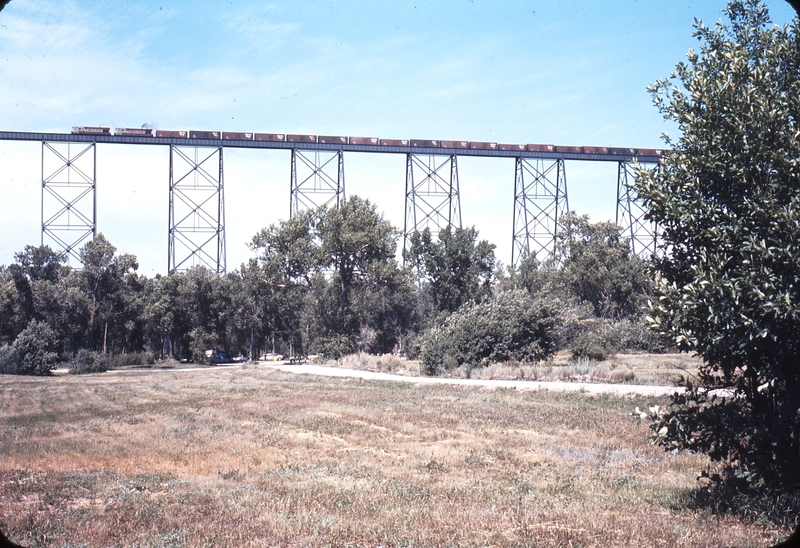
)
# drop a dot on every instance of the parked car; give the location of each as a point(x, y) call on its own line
point(240, 358)
point(218, 359)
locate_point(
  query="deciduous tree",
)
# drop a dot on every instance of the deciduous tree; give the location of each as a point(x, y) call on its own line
point(728, 201)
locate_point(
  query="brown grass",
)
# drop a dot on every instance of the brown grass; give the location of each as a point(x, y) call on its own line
point(253, 457)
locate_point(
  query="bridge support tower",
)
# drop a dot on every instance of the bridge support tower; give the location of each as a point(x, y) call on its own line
point(631, 213)
point(196, 209)
point(540, 199)
point(69, 195)
point(432, 195)
point(317, 179)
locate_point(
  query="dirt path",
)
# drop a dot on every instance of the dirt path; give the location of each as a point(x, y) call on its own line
point(589, 388)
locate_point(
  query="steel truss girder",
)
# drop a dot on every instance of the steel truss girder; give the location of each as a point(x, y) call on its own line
point(540, 199)
point(69, 195)
point(432, 196)
point(320, 182)
point(631, 213)
point(196, 209)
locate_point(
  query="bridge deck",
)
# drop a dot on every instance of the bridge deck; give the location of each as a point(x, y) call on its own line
point(194, 142)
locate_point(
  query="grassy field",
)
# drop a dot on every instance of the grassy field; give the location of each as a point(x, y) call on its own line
point(247, 456)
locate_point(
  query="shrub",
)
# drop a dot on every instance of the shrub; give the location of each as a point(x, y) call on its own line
point(599, 339)
point(333, 347)
point(513, 327)
point(32, 352)
point(87, 361)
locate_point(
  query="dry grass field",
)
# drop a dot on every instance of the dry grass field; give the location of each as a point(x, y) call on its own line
point(248, 456)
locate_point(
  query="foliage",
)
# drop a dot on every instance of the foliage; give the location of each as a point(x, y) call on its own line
point(512, 327)
point(335, 270)
point(598, 339)
point(32, 353)
point(727, 200)
point(88, 361)
point(599, 268)
point(454, 270)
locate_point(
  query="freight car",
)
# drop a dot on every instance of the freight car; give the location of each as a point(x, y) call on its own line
point(236, 136)
point(369, 141)
point(91, 130)
point(134, 131)
point(271, 137)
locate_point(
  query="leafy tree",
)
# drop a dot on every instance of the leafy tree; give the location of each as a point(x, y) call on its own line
point(357, 243)
point(102, 275)
point(337, 257)
point(728, 201)
point(454, 270)
point(41, 263)
point(599, 268)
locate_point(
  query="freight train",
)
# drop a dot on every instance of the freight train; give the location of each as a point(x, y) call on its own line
point(372, 141)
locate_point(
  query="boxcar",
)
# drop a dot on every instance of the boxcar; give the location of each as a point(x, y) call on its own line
point(301, 138)
point(364, 140)
point(236, 136)
point(595, 150)
point(454, 144)
point(134, 131)
point(424, 143)
point(170, 133)
point(511, 147)
point(569, 149)
point(91, 130)
point(622, 151)
point(394, 142)
point(331, 140)
point(650, 152)
point(479, 145)
point(194, 134)
point(274, 137)
point(541, 148)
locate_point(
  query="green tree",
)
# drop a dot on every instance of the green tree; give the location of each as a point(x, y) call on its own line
point(599, 268)
point(455, 269)
point(728, 201)
point(334, 265)
point(103, 274)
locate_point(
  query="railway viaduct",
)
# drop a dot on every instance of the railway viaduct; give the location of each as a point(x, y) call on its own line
point(197, 194)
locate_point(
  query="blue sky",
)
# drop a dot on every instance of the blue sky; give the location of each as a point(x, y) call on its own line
point(569, 72)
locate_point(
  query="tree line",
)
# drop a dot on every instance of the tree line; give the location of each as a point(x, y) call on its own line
point(328, 282)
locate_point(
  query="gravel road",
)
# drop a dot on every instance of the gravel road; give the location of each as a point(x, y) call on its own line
point(588, 388)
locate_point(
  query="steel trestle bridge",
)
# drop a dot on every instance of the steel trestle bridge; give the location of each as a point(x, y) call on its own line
point(432, 199)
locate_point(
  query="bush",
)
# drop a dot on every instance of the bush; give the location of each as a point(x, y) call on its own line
point(87, 361)
point(593, 343)
point(32, 352)
point(597, 340)
point(513, 327)
point(333, 347)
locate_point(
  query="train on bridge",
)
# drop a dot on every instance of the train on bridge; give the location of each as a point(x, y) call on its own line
point(368, 141)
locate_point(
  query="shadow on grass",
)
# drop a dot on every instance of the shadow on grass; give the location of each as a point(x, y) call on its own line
point(770, 509)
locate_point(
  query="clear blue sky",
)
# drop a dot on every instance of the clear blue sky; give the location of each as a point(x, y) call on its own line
point(563, 72)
